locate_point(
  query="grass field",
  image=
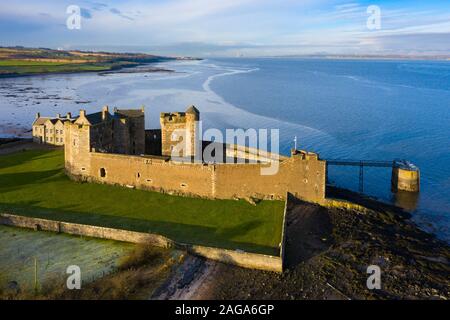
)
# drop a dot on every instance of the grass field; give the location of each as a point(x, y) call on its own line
point(21, 67)
point(33, 183)
point(20, 61)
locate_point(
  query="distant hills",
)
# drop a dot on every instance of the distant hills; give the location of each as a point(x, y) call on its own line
point(18, 61)
point(370, 56)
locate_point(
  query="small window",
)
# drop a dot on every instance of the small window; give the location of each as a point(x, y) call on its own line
point(102, 172)
point(138, 175)
point(183, 185)
point(149, 180)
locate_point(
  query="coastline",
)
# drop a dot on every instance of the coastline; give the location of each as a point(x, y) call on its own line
point(100, 72)
point(329, 250)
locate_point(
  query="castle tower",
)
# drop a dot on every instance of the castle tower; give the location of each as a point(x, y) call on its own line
point(179, 132)
point(129, 131)
point(88, 133)
point(77, 145)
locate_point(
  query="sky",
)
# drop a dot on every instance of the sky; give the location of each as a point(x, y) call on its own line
point(232, 27)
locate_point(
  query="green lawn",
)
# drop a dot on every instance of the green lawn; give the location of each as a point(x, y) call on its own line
point(33, 183)
point(12, 63)
point(31, 67)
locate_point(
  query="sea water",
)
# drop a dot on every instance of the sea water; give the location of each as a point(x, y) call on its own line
point(342, 109)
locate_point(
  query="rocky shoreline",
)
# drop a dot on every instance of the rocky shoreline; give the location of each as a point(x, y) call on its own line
point(328, 252)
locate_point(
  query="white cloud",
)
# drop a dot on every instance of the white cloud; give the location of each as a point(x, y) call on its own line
point(266, 25)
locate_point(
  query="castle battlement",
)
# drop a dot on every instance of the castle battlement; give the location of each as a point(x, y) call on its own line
point(173, 117)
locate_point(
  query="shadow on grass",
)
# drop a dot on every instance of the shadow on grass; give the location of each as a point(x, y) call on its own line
point(22, 157)
point(14, 181)
point(185, 233)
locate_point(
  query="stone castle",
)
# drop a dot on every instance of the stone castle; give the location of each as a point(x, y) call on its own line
point(117, 149)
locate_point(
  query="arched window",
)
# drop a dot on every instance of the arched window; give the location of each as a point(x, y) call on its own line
point(102, 172)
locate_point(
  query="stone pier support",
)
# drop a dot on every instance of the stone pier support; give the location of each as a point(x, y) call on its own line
point(405, 177)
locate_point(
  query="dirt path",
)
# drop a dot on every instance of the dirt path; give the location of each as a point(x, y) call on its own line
point(192, 280)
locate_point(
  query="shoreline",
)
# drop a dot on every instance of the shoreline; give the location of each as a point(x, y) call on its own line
point(328, 253)
point(100, 72)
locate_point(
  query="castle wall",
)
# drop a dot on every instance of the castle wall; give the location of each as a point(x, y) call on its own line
point(121, 136)
point(101, 136)
point(302, 176)
point(153, 142)
point(153, 173)
point(137, 133)
point(129, 135)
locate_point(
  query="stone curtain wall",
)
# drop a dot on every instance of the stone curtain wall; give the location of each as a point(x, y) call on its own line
point(235, 257)
point(85, 230)
point(304, 177)
point(153, 173)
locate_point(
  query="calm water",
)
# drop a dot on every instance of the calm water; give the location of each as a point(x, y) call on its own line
point(378, 110)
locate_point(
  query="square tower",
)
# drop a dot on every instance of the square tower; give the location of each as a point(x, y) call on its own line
point(179, 133)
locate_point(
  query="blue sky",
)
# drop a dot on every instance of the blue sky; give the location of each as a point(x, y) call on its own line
point(231, 27)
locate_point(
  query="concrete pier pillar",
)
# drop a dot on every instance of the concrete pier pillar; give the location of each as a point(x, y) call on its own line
point(405, 177)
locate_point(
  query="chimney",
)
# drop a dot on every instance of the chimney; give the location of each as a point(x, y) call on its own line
point(82, 113)
point(104, 112)
point(143, 109)
point(58, 115)
point(69, 115)
point(38, 115)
